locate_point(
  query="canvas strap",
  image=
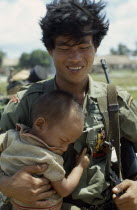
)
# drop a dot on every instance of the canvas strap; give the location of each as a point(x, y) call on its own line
point(109, 108)
point(114, 128)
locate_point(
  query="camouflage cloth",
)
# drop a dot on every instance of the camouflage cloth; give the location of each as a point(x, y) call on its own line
point(93, 188)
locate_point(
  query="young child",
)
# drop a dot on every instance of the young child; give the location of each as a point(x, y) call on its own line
point(57, 122)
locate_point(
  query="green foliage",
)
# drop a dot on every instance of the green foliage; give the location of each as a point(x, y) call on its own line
point(121, 50)
point(135, 51)
point(3, 86)
point(2, 55)
point(124, 50)
point(24, 60)
point(37, 57)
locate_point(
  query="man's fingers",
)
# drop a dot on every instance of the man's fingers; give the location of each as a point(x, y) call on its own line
point(43, 188)
point(45, 195)
point(121, 198)
point(122, 186)
point(35, 169)
point(43, 182)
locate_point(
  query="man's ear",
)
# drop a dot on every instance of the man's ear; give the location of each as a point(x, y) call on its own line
point(50, 52)
point(39, 123)
point(95, 49)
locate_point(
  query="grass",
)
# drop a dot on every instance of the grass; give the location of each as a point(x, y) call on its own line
point(127, 80)
point(3, 86)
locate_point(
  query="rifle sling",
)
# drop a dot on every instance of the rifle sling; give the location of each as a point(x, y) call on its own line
point(114, 129)
point(109, 109)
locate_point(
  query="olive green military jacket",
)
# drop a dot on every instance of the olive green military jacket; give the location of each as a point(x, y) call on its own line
point(93, 186)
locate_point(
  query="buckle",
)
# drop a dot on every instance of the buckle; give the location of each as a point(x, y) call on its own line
point(113, 107)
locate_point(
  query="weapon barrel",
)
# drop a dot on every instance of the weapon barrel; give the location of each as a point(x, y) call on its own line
point(104, 66)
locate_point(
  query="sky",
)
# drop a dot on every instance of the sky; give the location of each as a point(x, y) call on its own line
point(20, 31)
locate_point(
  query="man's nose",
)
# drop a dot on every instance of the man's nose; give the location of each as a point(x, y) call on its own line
point(74, 56)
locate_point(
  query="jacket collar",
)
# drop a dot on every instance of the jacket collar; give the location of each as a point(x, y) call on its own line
point(96, 89)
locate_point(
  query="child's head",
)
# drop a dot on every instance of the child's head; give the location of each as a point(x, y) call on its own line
point(57, 119)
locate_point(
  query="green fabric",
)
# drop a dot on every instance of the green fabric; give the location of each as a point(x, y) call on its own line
point(3, 102)
point(21, 112)
point(92, 186)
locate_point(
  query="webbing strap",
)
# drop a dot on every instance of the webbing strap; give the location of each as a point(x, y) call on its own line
point(114, 134)
point(103, 106)
point(102, 103)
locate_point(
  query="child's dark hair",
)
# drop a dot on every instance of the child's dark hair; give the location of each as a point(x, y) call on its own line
point(70, 17)
point(55, 106)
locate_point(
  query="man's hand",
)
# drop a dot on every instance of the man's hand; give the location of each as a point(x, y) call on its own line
point(127, 201)
point(26, 188)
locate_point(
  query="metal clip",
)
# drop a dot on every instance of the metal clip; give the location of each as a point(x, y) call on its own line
point(109, 144)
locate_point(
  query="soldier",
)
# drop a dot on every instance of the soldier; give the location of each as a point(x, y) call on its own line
point(72, 33)
point(16, 81)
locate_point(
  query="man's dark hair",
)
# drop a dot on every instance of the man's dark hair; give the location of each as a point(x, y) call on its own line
point(55, 106)
point(74, 18)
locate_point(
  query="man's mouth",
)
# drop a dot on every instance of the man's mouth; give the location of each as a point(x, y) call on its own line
point(75, 69)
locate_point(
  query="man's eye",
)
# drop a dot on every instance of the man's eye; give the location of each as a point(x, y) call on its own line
point(62, 140)
point(63, 49)
point(84, 48)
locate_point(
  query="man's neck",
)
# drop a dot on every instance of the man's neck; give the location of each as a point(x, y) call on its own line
point(79, 90)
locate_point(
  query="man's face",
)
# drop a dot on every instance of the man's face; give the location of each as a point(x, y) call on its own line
point(73, 61)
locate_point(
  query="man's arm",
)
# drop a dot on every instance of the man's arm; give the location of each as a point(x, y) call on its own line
point(26, 188)
point(128, 123)
point(67, 185)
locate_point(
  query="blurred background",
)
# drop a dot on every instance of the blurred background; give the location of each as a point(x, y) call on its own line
point(24, 59)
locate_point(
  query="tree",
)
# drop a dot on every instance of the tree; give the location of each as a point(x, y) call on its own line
point(121, 50)
point(135, 51)
point(2, 55)
point(37, 57)
point(24, 60)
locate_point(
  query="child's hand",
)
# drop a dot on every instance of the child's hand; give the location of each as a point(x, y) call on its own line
point(14, 99)
point(83, 159)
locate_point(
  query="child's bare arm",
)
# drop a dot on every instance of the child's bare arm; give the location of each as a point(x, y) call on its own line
point(67, 185)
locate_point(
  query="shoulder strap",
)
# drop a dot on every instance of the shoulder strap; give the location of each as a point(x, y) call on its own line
point(103, 107)
point(109, 108)
point(114, 134)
